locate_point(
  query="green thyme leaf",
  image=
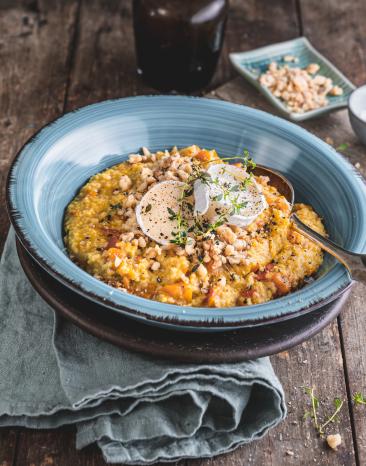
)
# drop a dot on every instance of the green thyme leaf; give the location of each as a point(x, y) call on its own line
point(195, 267)
point(343, 147)
point(359, 399)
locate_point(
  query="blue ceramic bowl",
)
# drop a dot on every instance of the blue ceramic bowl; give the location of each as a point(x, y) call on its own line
point(58, 160)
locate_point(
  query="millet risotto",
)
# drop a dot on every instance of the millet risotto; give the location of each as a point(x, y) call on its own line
point(189, 228)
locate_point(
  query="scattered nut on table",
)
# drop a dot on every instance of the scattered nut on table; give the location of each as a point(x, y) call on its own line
point(334, 441)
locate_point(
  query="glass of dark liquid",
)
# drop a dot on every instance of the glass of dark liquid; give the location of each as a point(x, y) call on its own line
point(178, 42)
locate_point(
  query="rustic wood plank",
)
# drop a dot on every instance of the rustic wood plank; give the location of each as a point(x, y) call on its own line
point(8, 442)
point(34, 48)
point(32, 86)
point(337, 29)
point(295, 441)
point(103, 68)
point(353, 331)
point(105, 65)
point(251, 24)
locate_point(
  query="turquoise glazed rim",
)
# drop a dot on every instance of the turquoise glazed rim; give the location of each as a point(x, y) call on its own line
point(59, 159)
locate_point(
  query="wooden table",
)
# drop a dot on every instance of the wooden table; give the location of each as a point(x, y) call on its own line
point(56, 55)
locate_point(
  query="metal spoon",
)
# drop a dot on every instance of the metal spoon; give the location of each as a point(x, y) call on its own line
point(354, 262)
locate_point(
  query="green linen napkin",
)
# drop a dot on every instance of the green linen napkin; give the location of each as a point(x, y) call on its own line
point(138, 409)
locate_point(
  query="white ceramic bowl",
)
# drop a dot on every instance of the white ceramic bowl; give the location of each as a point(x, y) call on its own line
point(357, 112)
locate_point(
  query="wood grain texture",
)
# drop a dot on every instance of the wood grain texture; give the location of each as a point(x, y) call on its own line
point(324, 364)
point(105, 65)
point(8, 443)
point(35, 54)
point(337, 29)
point(250, 24)
point(34, 49)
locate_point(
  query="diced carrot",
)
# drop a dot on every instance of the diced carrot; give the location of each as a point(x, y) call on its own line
point(112, 253)
point(92, 193)
point(269, 267)
point(179, 291)
point(203, 156)
point(264, 275)
point(211, 298)
point(283, 205)
point(281, 282)
point(126, 282)
point(187, 293)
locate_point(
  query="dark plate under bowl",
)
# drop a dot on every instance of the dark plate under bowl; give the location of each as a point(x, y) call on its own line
point(232, 346)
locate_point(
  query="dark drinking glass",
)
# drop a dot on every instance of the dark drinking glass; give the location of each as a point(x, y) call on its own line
point(178, 42)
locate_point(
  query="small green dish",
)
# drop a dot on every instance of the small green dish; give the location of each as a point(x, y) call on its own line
point(255, 62)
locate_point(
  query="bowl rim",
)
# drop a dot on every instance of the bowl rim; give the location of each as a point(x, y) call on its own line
point(196, 322)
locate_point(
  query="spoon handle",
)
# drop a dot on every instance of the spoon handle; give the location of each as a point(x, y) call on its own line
point(355, 263)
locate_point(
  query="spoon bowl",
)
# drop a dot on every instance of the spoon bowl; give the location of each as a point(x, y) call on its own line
point(354, 262)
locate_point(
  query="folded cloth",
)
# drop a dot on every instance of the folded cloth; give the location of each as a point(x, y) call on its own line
point(137, 408)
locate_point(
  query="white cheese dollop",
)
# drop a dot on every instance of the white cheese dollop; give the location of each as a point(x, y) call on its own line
point(152, 213)
point(225, 191)
point(217, 196)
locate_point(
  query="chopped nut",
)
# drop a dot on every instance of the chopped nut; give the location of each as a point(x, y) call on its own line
point(240, 244)
point(334, 441)
point(289, 453)
point(146, 173)
point(336, 91)
point(134, 158)
point(297, 87)
point(289, 58)
point(226, 234)
point(229, 250)
point(313, 68)
point(183, 175)
point(189, 248)
point(130, 201)
point(234, 260)
point(146, 151)
point(202, 271)
point(206, 258)
point(127, 236)
point(125, 182)
point(142, 242)
point(142, 187)
point(155, 266)
point(150, 253)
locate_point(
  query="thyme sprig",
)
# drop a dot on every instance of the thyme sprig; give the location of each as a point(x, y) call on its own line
point(205, 228)
point(314, 414)
point(359, 399)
